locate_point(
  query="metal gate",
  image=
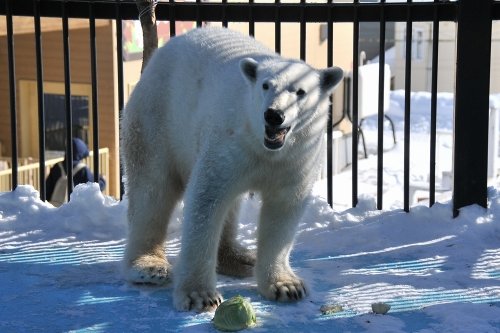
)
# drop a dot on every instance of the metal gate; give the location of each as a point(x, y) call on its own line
point(474, 20)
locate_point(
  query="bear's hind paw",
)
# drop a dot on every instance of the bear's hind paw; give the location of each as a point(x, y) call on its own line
point(156, 275)
point(237, 262)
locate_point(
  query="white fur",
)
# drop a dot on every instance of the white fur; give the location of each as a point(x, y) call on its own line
point(194, 126)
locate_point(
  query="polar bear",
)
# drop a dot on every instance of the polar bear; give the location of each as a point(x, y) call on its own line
point(214, 115)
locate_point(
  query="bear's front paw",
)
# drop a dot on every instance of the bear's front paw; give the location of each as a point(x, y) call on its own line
point(200, 301)
point(149, 270)
point(285, 290)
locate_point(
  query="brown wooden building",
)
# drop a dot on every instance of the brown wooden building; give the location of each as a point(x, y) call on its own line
point(53, 77)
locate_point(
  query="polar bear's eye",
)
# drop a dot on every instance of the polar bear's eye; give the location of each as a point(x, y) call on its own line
point(265, 86)
point(300, 92)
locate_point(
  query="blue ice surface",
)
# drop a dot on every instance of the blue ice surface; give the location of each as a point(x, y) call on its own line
point(65, 288)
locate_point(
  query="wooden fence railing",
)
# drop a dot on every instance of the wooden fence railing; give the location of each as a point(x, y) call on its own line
point(29, 170)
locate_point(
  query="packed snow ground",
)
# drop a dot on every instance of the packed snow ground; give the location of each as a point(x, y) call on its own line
point(60, 268)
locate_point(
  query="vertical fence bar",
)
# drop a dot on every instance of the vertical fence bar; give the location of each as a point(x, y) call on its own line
point(119, 64)
point(303, 30)
point(12, 93)
point(198, 16)
point(93, 73)
point(434, 78)
point(172, 18)
point(381, 118)
point(406, 172)
point(224, 19)
point(41, 106)
point(251, 20)
point(355, 120)
point(277, 27)
point(119, 56)
point(347, 93)
point(470, 155)
point(329, 129)
point(67, 99)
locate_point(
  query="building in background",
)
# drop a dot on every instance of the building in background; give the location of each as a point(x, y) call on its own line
point(422, 57)
point(54, 92)
point(107, 69)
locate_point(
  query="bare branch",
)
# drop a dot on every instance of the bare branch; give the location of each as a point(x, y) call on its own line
point(147, 17)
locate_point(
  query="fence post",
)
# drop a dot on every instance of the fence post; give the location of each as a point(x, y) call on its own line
point(470, 155)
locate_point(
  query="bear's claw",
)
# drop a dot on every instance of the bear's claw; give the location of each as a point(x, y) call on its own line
point(287, 291)
point(200, 301)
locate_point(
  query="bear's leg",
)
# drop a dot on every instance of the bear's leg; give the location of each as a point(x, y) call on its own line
point(150, 207)
point(207, 201)
point(234, 259)
point(277, 227)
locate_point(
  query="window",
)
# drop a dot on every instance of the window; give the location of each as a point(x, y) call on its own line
point(417, 44)
point(55, 116)
point(55, 120)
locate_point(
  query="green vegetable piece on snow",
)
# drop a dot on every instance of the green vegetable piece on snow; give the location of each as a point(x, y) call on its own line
point(234, 314)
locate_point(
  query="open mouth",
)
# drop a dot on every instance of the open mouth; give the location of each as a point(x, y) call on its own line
point(275, 137)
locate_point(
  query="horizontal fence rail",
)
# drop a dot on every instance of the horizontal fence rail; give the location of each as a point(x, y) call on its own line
point(239, 12)
point(469, 186)
point(29, 171)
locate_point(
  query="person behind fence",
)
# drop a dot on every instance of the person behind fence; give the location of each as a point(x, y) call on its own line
point(56, 183)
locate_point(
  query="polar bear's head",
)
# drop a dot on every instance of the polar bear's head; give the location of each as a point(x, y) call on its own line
point(289, 97)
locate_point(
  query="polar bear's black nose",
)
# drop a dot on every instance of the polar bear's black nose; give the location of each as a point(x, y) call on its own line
point(274, 117)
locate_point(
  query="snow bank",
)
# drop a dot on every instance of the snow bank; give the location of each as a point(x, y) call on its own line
point(89, 214)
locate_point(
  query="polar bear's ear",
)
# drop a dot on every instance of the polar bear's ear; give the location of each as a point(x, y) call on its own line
point(330, 77)
point(248, 68)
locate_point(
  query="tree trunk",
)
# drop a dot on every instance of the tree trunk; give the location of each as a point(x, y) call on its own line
point(149, 33)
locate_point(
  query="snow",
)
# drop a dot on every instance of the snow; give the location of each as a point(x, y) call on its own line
point(60, 268)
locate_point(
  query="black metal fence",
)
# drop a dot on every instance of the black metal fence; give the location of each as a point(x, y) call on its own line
point(474, 21)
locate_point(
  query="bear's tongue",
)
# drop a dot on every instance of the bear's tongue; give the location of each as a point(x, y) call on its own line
point(276, 134)
point(275, 137)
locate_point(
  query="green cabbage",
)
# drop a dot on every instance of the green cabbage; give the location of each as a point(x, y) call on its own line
point(234, 314)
